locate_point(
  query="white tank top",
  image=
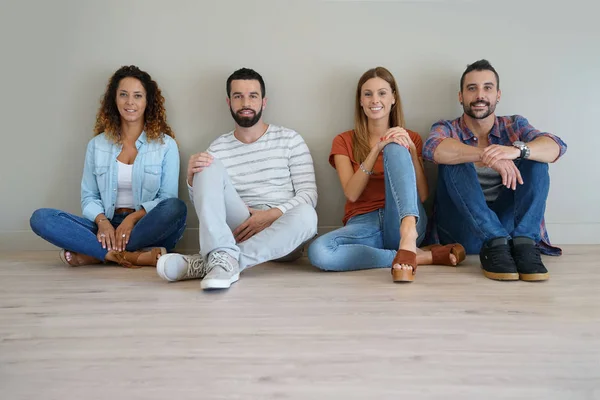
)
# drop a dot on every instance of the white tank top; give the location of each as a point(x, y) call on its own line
point(124, 191)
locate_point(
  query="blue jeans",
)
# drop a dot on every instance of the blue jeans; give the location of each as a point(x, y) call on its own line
point(462, 214)
point(163, 226)
point(371, 240)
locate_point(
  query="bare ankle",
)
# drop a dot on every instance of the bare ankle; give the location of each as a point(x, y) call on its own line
point(408, 228)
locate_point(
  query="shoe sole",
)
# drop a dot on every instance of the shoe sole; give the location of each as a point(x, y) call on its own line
point(508, 276)
point(219, 283)
point(402, 275)
point(534, 277)
point(160, 268)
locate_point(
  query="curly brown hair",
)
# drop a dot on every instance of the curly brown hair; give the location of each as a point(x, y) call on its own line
point(108, 119)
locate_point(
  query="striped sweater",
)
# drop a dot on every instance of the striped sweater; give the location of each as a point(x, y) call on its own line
point(276, 170)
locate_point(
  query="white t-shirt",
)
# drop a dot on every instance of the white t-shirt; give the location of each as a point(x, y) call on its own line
point(124, 188)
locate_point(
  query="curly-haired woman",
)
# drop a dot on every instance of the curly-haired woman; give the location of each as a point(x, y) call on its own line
point(131, 213)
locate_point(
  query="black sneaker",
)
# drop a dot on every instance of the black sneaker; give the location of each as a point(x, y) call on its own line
point(497, 262)
point(528, 259)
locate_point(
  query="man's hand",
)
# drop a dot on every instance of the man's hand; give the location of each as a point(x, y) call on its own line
point(497, 152)
point(197, 163)
point(509, 172)
point(258, 221)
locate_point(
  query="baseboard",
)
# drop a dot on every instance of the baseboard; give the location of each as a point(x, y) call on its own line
point(560, 233)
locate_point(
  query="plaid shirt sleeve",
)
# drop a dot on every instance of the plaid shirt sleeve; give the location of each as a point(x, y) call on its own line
point(439, 131)
point(525, 132)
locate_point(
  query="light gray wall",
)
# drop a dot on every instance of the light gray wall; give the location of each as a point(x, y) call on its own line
point(57, 57)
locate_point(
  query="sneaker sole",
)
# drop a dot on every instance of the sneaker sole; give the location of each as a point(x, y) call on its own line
point(219, 283)
point(509, 276)
point(160, 268)
point(534, 277)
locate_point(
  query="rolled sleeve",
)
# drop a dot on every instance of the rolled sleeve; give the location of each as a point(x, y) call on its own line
point(528, 133)
point(439, 132)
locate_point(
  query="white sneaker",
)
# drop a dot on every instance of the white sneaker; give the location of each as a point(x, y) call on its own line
point(178, 267)
point(223, 270)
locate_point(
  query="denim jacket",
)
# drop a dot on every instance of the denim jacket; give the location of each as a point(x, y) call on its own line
point(155, 174)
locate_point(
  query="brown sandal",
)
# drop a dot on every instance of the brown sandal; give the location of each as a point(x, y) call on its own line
point(76, 259)
point(404, 257)
point(441, 254)
point(129, 259)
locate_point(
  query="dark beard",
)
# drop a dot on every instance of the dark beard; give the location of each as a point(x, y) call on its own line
point(246, 122)
point(468, 110)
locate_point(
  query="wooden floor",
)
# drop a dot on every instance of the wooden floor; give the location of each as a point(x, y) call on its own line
point(292, 332)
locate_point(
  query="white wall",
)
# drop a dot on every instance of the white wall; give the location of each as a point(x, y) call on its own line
point(57, 57)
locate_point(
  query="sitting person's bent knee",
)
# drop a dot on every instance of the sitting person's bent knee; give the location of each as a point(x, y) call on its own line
point(395, 150)
point(321, 255)
point(535, 167)
point(39, 218)
point(215, 167)
point(306, 216)
point(175, 205)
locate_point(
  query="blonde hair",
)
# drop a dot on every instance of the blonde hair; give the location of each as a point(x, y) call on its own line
point(360, 141)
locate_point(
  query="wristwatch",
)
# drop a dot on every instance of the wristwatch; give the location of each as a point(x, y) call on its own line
point(524, 149)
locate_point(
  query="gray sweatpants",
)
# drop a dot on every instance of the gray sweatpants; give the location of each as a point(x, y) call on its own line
point(220, 210)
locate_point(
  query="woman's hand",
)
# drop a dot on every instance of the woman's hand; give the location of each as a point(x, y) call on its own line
point(106, 234)
point(123, 232)
point(396, 135)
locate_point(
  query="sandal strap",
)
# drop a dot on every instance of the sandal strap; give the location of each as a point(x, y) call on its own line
point(127, 259)
point(406, 257)
point(441, 254)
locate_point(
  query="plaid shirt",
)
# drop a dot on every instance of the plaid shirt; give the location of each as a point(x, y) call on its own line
point(505, 131)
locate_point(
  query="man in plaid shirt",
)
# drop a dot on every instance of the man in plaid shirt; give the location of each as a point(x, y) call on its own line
point(493, 181)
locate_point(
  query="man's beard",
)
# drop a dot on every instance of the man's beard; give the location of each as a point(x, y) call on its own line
point(469, 110)
point(246, 122)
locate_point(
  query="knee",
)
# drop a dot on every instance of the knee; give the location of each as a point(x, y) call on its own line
point(321, 255)
point(306, 215)
point(40, 218)
point(446, 170)
point(215, 168)
point(394, 151)
point(538, 170)
point(177, 208)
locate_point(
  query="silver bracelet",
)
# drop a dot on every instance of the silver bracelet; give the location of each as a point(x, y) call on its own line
point(363, 169)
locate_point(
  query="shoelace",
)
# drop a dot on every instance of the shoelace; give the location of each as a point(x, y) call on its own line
point(500, 255)
point(529, 257)
point(221, 260)
point(196, 267)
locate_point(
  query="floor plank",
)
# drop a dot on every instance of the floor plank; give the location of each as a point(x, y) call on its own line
point(288, 331)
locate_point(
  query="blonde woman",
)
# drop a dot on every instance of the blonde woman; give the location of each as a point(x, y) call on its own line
point(381, 171)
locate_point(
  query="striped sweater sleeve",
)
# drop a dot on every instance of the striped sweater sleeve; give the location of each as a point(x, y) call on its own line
point(302, 173)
